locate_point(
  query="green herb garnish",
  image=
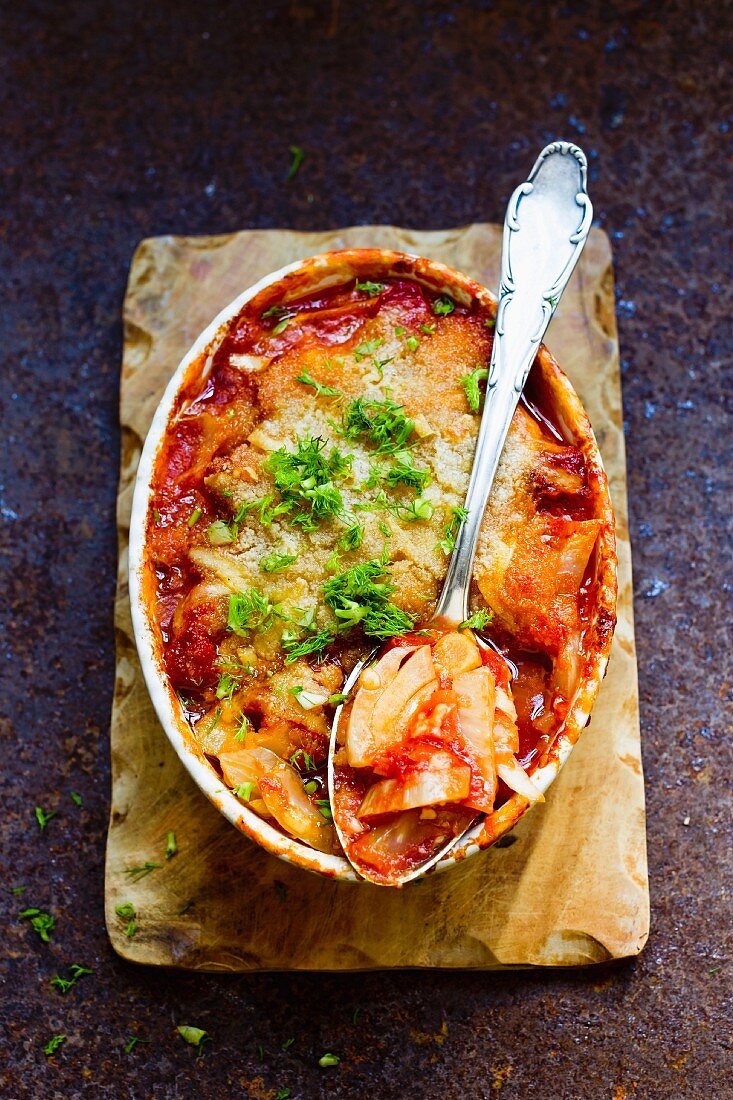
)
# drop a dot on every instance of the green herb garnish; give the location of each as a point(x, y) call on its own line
point(136, 873)
point(194, 1036)
point(244, 791)
point(53, 1045)
point(298, 156)
point(324, 808)
point(249, 611)
point(171, 847)
point(244, 726)
point(429, 330)
point(314, 646)
point(451, 529)
point(132, 1043)
point(328, 1060)
point(337, 698)
point(308, 763)
point(307, 379)
point(305, 480)
point(477, 621)
point(273, 311)
point(417, 510)
point(470, 384)
point(361, 596)
point(352, 538)
point(288, 1043)
point(227, 686)
point(443, 306)
point(382, 423)
point(44, 818)
point(65, 984)
point(368, 348)
point(76, 798)
point(275, 563)
point(281, 326)
point(413, 343)
point(221, 533)
point(41, 923)
point(194, 517)
point(372, 289)
point(404, 472)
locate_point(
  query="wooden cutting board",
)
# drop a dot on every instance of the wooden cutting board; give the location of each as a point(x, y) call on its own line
point(568, 887)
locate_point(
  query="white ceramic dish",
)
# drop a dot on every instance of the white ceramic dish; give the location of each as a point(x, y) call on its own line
point(296, 280)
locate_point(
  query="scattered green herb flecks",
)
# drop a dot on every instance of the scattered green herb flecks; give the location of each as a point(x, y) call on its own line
point(443, 306)
point(171, 845)
point(53, 1045)
point(298, 156)
point(418, 510)
point(194, 1036)
point(44, 818)
point(243, 728)
point(352, 538)
point(126, 912)
point(336, 699)
point(490, 322)
point(76, 798)
point(307, 379)
point(136, 873)
point(18, 890)
point(361, 596)
point(368, 349)
point(249, 611)
point(324, 808)
point(194, 517)
point(315, 645)
point(227, 686)
point(132, 1043)
point(303, 761)
point(450, 531)
point(328, 1060)
point(281, 326)
point(283, 1094)
point(273, 311)
point(372, 289)
point(381, 423)
point(471, 385)
point(288, 1043)
point(305, 480)
point(41, 923)
point(65, 984)
point(413, 343)
point(220, 533)
point(477, 621)
point(244, 791)
point(276, 563)
point(429, 330)
point(405, 472)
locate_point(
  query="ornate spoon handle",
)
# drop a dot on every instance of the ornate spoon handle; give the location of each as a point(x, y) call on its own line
point(546, 225)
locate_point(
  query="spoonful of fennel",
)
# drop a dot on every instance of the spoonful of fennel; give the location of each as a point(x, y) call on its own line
point(394, 829)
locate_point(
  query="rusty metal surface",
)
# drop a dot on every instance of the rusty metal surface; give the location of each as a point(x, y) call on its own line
point(126, 120)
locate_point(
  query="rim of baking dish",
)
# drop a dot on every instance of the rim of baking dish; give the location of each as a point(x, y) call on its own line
point(303, 276)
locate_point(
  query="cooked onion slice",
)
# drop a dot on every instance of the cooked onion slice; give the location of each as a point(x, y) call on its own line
point(442, 779)
point(477, 698)
point(513, 774)
point(281, 789)
point(360, 739)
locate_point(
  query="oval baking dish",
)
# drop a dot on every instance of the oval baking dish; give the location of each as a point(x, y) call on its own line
point(295, 504)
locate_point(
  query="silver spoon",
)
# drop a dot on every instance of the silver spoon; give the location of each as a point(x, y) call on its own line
point(546, 225)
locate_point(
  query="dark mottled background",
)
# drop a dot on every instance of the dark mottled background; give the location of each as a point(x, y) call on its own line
point(124, 120)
